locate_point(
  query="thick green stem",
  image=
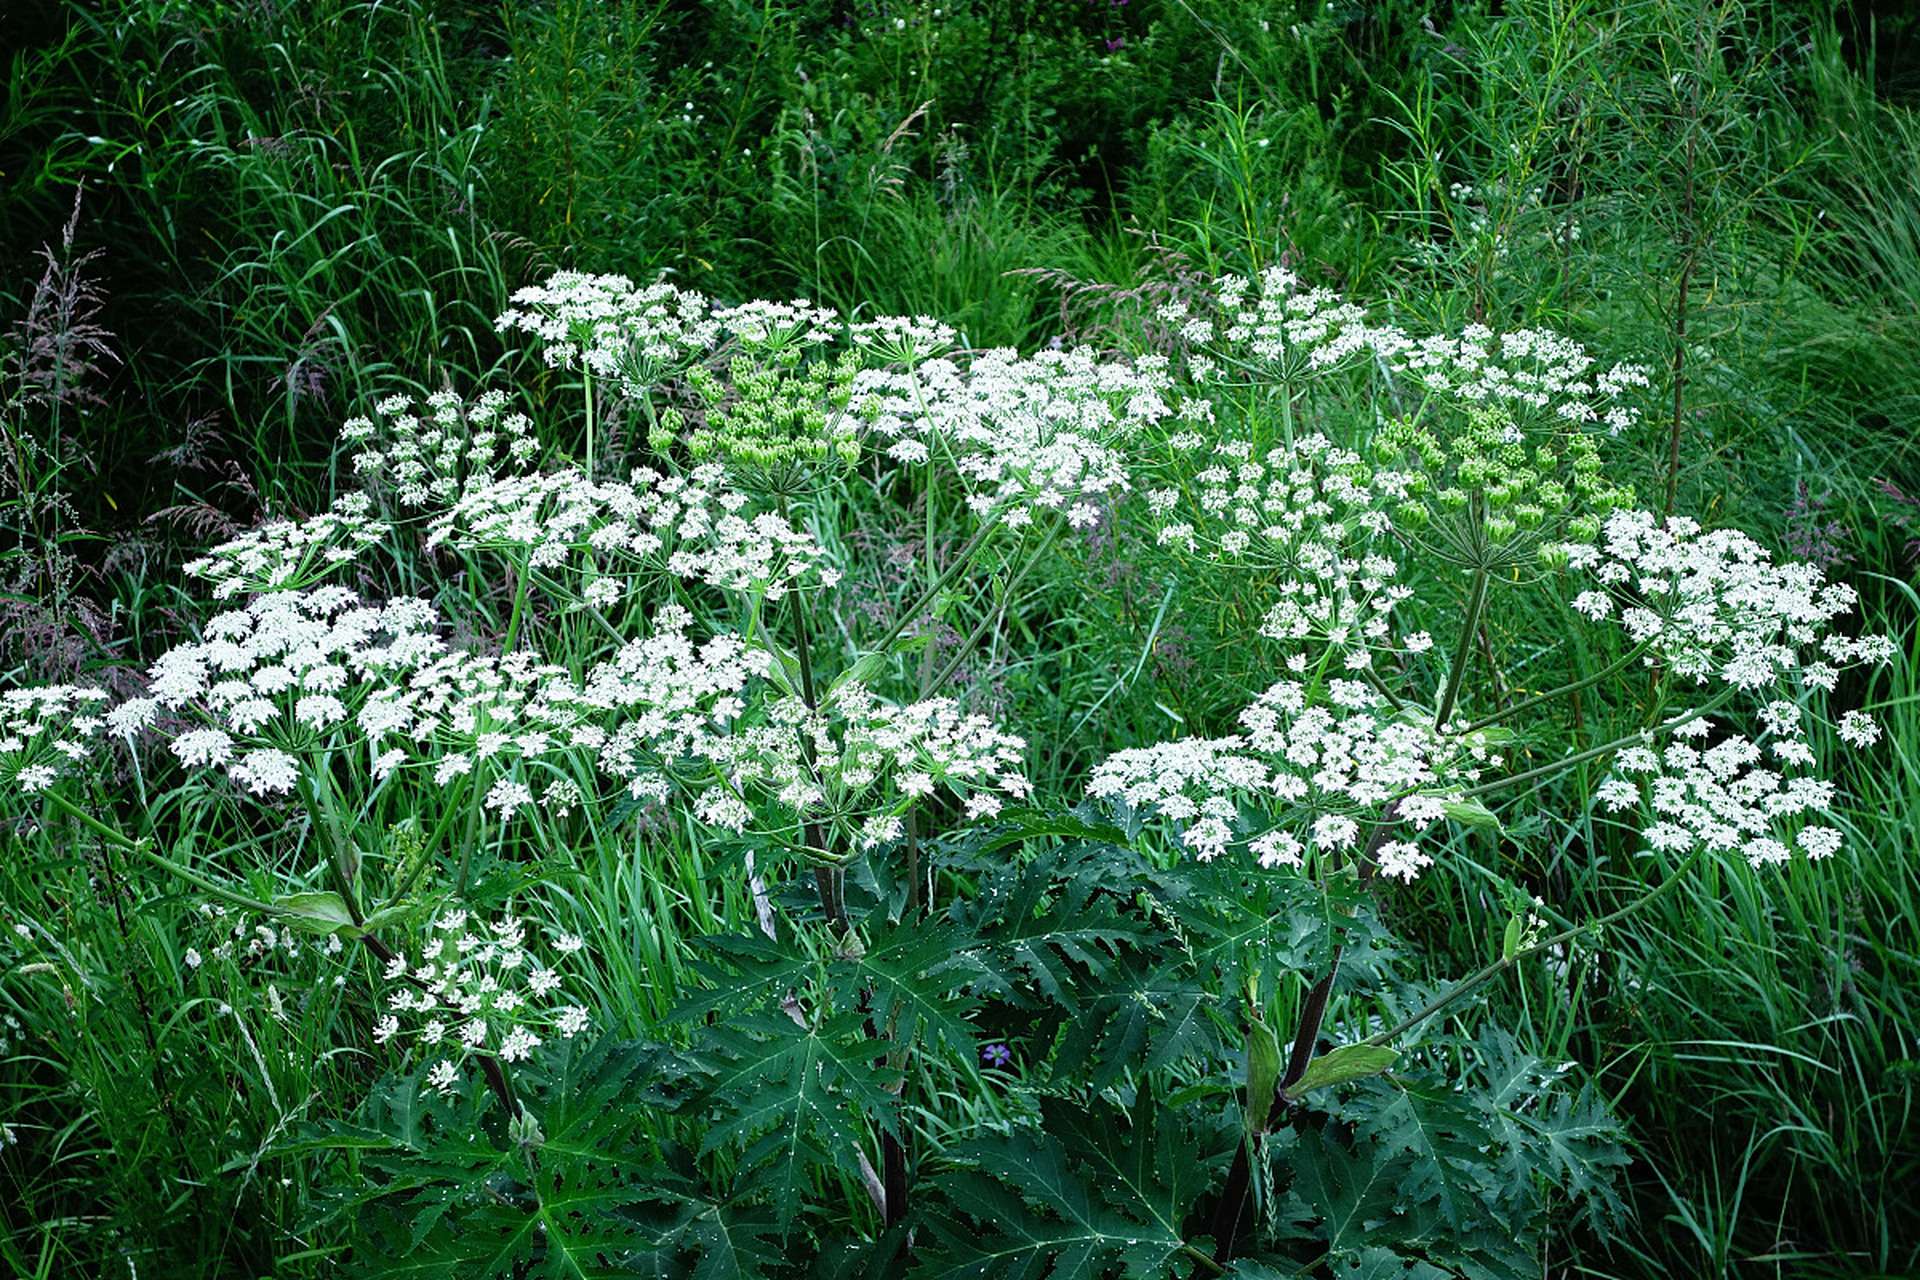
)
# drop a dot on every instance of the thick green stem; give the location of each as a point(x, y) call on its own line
point(522, 583)
point(342, 857)
point(1469, 626)
point(828, 880)
point(586, 390)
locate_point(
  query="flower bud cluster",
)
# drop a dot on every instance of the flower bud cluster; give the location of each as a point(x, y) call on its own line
point(771, 422)
point(1487, 493)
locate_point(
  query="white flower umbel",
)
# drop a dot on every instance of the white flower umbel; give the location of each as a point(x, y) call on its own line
point(429, 455)
point(1025, 433)
point(1315, 516)
point(772, 329)
point(667, 698)
point(1723, 798)
point(45, 733)
point(1539, 375)
point(857, 758)
point(856, 762)
point(606, 533)
point(297, 672)
point(475, 987)
point(1323, 766)
point(904, 340)
point(1715, 609)
point(614, 328)
point(1277, 332)
point(287, 555)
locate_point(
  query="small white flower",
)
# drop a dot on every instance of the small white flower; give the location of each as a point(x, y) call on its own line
point(1858, 729)
point(508, 796)
point(443, 1075)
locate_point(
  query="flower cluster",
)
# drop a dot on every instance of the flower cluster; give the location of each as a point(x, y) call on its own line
point(903, 339)
point(669, 699)
point(779, 330)
point(1316, 514)
point(294, 671)
point(614, 328)
point(272, 677)
point(1278, 332)
point(1534, 372)
point(287, 555)
point(464, 713)
point(1722, 797)
point(476, 988)
point(1330, 767)
point(1030, 433)
point(46, 731)
point(430, 458)
point(682, 710)
point(1713, 606)
point(689, 526)
point(1282, 333)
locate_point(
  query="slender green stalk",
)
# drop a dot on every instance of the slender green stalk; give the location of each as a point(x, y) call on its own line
point(1605, 748)
point(1564, 690)
point(143, 848)
point(911, 614)
point(994, 615)
point(1473, 981)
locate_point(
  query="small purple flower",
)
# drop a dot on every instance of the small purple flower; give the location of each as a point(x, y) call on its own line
point(996, 1055)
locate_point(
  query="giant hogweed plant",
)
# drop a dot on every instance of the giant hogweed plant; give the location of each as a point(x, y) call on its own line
point(966, 1028)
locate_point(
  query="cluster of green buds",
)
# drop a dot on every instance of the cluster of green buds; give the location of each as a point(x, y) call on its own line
point(774, 422)
point(1489, 493)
